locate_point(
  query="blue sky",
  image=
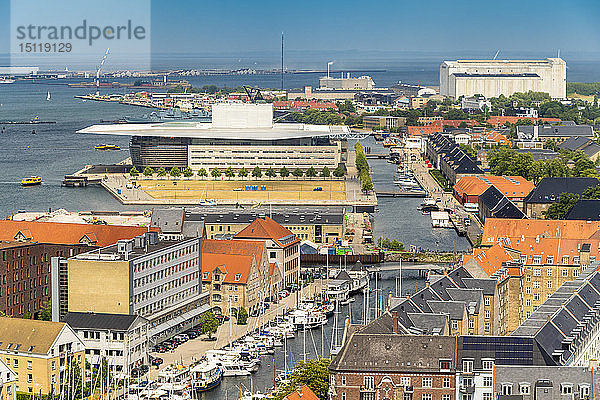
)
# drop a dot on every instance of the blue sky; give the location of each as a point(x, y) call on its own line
point(385, 27)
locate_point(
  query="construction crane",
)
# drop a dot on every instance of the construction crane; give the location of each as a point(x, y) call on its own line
point(100, 67)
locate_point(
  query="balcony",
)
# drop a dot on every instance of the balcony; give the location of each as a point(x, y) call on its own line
point(468, 388)
point(408, 389)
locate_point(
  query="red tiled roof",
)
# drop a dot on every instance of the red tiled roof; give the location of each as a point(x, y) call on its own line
point(302, 394)
point(234, 247)
point(499, 228)
point(496, 120)
point(266, 228)
point(230, 264)
point(68, 233)
point(511, 186)
point(490, 260)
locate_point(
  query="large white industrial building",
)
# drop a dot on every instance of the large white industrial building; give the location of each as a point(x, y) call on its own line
point(491, 78)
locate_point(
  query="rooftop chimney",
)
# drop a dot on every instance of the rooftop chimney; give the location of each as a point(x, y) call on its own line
point(395, 321)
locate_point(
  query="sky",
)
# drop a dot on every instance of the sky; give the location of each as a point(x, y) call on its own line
point(380, 28)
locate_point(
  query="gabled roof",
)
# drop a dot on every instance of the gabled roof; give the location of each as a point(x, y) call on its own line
point(67, 233)
point(235, 247)
point(499, 205)
point(510, 186)
point(168, 220)
point(266, 228)
point(575, 143)
point(25, 334)
point(303, 393)
point(498, 228)
point(233, 265)
point(585, 210)
point(489, 260)
point(85, 320)
point(548, 190)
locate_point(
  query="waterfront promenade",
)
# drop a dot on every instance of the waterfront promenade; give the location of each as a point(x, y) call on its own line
point(194, 349)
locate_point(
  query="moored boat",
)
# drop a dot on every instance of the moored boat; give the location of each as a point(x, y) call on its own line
point(205, 376)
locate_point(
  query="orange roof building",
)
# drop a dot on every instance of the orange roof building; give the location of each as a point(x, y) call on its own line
point(302, 393)
point(67, 233)
point(469, 188)
point(236, 273)
point(497, 120)
point(496, 229)
point(283, 247)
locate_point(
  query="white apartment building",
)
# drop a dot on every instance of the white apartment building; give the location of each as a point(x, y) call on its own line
point(121, 339)
point(491, 78)
point(159, 280)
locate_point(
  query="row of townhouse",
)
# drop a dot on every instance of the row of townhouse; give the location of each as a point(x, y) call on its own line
point(551, 356)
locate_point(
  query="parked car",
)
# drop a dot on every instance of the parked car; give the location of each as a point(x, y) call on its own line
point(222, 318)
point(181, 338)
point(157, 362)
point(192, 334)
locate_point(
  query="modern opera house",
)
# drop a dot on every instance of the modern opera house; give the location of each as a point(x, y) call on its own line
point(240, 135)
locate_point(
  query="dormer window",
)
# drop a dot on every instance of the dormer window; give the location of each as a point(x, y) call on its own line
point(238, 277)
point(566, 388)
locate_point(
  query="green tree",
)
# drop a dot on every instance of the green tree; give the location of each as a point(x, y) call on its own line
point(187, 172)
point(313, 373)
point(229, 172)
point(284, 172)
point(365, 181)
point(559, 209)
point(175, 172)
point(27, 315)
point(271, 173)
point(46, 311)
point(209, 323)
point(133, 171)
point(592, 192)
point(311, 172)
point(339, 171)
point(242, 316)
point(148, 171)
point(325, 173)
point(256, 172)
point(242, 173)
point(215, 172)
point(161, 172)
point(298, 173)
point(202, 172)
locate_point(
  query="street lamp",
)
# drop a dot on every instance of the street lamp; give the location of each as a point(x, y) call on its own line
point(328, 65)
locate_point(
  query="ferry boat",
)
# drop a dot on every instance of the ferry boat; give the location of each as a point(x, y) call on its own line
point(31, 181)
point(107, 147)
point(205, 376)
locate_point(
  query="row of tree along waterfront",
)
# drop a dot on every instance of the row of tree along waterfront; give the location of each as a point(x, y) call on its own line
point(257, 172)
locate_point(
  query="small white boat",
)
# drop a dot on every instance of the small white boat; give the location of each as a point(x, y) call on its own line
point(48, 96)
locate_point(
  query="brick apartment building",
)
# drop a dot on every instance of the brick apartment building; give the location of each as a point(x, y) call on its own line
point(25, 274)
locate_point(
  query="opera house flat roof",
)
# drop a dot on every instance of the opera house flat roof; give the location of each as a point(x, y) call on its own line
point(202, 130)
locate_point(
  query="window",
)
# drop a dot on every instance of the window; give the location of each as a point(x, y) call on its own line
point(584, 391)
point(487, 314)
point(445, 397)
point(487, 364)
point(549, 284)
point(487, 396)
point(576, 260)
point(29, 365)
point(405, 381)
point(446, 382)
point(487, 381)
point(537, 260)
point(575, 272)
point(549, 260)
point(426, 382)
point(528, 278)
point(536, 284)
point(343, 380)
point(343, 395)
point(487, 326)
point(471, 324)
point(238, 277)
point(29, 378)
point(454, 325)
point(467, 366)
point(445, 364)
point(565, 260)
point(272, 254)
point(566, 388)
point(537, 272)
point(426, 396)
point(369, 382)
point(528, 302)
point(528, 290)
point(524, 388)
point(487, 300)
point(53, 365)
point(565, 272)
point(536, 297)
point(16, 363)
point(507, 389)
point(205, 275)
